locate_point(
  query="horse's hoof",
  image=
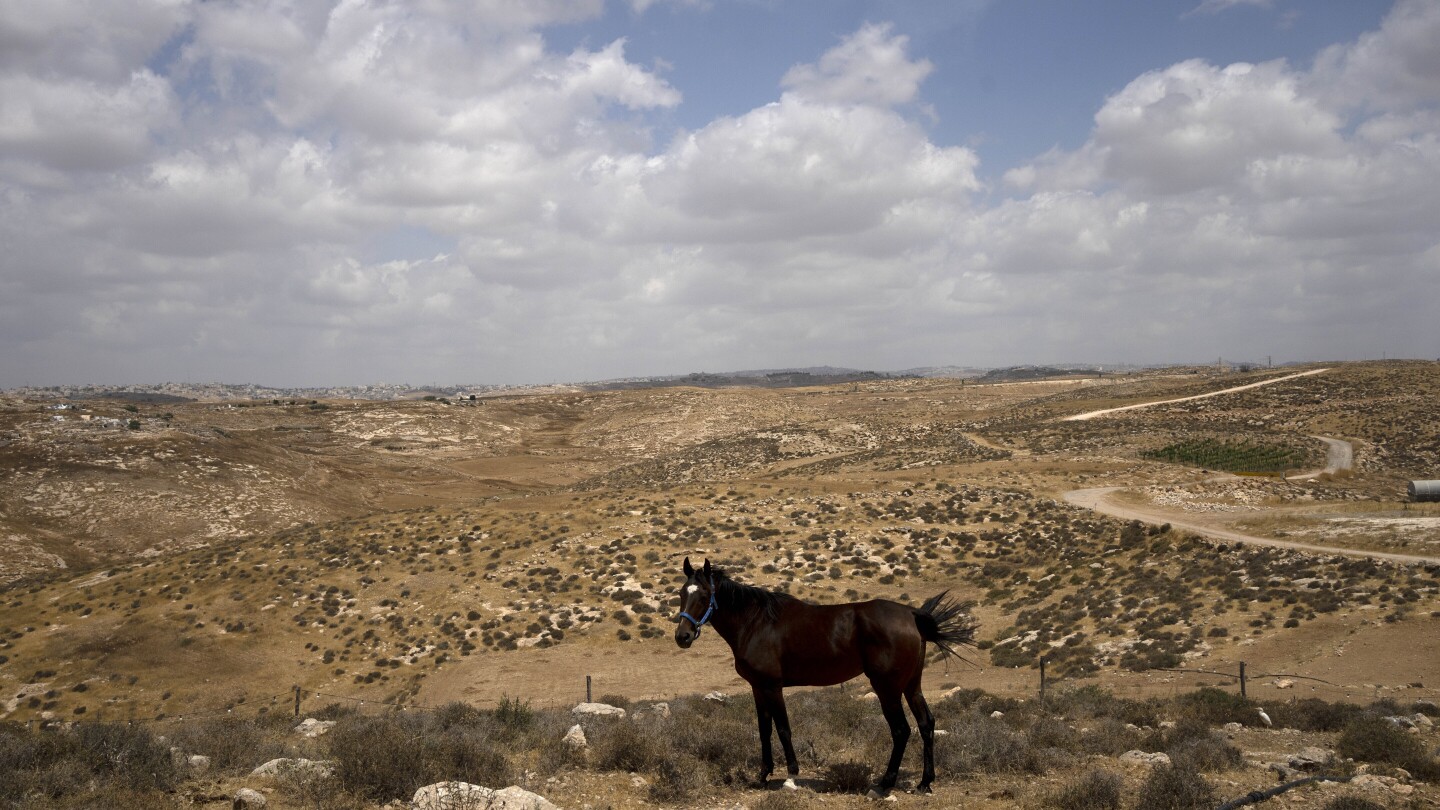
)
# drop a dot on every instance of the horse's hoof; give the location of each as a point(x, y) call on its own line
point(923, 789)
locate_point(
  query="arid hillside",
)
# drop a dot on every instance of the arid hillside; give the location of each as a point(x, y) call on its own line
point(209, 558)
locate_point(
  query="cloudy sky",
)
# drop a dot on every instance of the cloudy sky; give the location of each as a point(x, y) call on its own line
point(307, 192)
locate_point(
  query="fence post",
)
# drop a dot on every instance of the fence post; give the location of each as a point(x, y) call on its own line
point(297, 700)
point(1242, 679)
point(587, 690)
point(1042, 681)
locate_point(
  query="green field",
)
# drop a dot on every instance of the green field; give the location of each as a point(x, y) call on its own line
point(1234, 456)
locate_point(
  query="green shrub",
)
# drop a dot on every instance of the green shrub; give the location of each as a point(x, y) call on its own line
point(514, 715)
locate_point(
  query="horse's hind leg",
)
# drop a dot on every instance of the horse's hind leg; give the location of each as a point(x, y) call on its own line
point(782, 725)
point(926, 721)
point(899, 732)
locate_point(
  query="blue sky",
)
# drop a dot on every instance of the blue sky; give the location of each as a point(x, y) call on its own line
point(333, 192)
point(1011, 79)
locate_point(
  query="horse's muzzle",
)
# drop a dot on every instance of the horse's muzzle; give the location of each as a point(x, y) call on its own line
point(685, 638)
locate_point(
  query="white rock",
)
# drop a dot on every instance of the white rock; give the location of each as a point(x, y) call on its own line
point(1144, 758)
point(1232, 728)
point(310, 727)
point(1283, 683)
point(575, 737)
point(197, 764)
point(996, 715)
point(1310, 758)
point(597, 710)
point(451, 796)
point(296, 767)
point(518, 798)
point(247, 799)
point(718, 697)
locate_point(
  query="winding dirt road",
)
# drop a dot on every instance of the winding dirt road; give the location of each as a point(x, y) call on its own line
point(1340, 456)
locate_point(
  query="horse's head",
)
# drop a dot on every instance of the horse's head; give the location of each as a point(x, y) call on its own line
point(697, 603)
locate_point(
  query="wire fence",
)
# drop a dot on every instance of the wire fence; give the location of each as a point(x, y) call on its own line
point(1163, 683)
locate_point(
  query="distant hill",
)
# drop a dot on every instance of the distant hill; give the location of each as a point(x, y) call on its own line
point(775, 378)
point(1021, 373)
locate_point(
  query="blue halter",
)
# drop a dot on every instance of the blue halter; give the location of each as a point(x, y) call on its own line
point(699, 623)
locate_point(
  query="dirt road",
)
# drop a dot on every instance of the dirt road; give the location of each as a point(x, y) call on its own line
point(1340, 455)
point(1098, 499)
point(1081, 417)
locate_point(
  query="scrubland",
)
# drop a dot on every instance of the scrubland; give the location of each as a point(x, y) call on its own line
point(473, 563)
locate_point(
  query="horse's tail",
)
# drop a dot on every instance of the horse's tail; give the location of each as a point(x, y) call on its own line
point(946, 622)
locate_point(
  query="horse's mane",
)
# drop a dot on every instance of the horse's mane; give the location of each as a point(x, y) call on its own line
point(736, 596)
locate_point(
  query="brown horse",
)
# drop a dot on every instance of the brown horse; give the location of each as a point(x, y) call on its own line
point(780, 641)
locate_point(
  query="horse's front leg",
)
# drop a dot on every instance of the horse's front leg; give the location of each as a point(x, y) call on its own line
point(762, 714)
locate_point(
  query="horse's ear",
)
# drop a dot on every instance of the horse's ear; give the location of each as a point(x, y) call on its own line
point(690, 569)
point(707, 568)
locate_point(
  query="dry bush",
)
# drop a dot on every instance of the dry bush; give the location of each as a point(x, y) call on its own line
point(1109, 737)
point(848, 776)
point(92, 764)
point(984, 745)
point(1311, 714)
point(1371, 738)
point(391, 756)
point(1097, 702)
point(782, 800)
point(1094, 790)
point(1351, 803)
point(1196, 744)
point(1216, 707)
point(622, 745)
point(235, 744)
point(679, 777)
point(1176, 786)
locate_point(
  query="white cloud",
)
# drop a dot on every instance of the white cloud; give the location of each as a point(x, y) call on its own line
point(225, 216)
point(1194, 126)
point(1217, 6)
point(870, 66)
point(83, 125)
point(1394, 68)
